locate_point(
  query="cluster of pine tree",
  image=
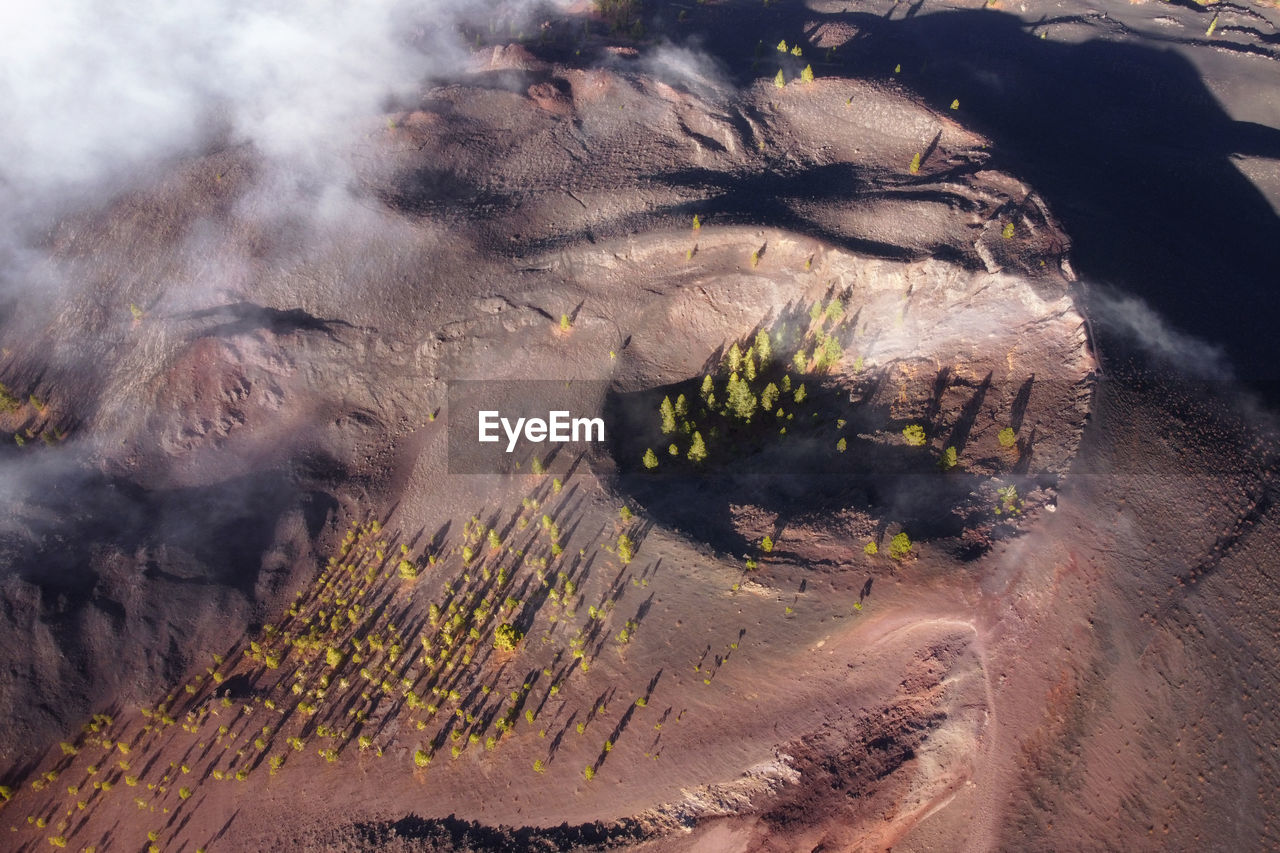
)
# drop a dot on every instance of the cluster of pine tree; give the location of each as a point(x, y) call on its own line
point(754, 389)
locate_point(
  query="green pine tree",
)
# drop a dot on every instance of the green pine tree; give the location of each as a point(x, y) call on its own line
point(780, 81)
point(764, 347)
point(668, 413)
point(768, 397)
point(742, 403)
point(697, 450)
point(948, 459)
point(650, 459)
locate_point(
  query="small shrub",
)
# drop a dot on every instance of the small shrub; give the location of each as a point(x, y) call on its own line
point(900, 546)
point(1009, 504)
point(948, 459)
point(766, 544)
point(421, 758)
point(914, 435)
point(1007, 437)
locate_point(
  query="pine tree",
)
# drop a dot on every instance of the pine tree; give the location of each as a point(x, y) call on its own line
point(650, 459)
point(948, 460)
point(682, 408)
point(807, 74)
point(828, 353)
point(741, 401)
point(768, 397)
point(780, 81)
point(800, 393)
point(697, 450)
point(707, 386)
point(764, 348)
point(914, 168)
point(735, 358)
point(668, 413)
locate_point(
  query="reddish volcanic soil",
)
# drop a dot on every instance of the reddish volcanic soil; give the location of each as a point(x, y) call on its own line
point(250, 606)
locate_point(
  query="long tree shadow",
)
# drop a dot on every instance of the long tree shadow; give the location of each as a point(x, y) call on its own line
point(1123, 139)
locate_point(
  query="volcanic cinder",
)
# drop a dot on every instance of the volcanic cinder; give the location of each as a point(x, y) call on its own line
point(998, 577)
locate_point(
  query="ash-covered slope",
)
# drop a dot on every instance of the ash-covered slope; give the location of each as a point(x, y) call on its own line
point(1010, 684)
